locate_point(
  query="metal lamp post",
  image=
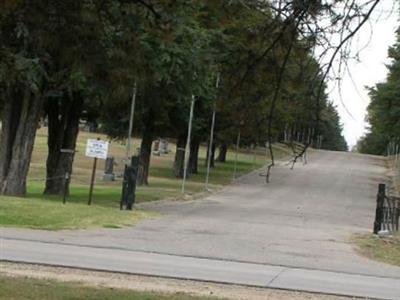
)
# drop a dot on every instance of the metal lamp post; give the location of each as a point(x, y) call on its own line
point(211, 139)
point(186, 162)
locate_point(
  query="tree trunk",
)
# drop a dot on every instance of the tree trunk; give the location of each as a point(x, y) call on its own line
point(180, 156)
point(145, 151)
point(194, 156)
point(20, 119)
point(212, 155)
point(223, 149)
point(63, 128)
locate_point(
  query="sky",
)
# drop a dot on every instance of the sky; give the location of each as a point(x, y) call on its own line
point(379, 35)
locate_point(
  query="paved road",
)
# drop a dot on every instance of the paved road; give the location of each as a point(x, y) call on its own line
point(304, 218)
point(145, 263)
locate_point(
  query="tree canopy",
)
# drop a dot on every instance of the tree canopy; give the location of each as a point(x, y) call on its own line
point(252, 62)
point(384, 108)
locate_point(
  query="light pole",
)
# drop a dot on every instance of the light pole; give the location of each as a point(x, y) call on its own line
point(186, 161)
point(236, 155)
point(211, 139)
point(237, 150)
point(128, 145)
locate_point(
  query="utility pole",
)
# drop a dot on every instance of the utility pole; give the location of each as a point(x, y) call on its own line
point(133, 102)
point(211, 138)
point(187, 147)
point(236, 155)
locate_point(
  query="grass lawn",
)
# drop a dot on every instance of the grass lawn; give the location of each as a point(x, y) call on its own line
point(386, 250)
point(47, 212)
point(53, 215)
point(17, 288)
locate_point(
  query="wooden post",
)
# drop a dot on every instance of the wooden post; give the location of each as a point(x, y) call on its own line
point(379, 205)
point(92, 181)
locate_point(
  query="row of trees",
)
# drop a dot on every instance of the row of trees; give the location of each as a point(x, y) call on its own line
point(251, 61)
point(384, 109)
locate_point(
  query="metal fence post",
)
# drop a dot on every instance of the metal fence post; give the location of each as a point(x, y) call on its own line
point(128, 196)
point(379, 205)
point(66, 185)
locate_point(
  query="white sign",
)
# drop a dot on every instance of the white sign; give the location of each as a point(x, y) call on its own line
point(97, 149)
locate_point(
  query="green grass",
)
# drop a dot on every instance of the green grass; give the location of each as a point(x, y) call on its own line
point(386, 250)
point(53, 215)
point(19, 288)
point(47, 212)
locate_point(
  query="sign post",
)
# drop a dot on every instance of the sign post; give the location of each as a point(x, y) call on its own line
point(92, 180)
point(96, 149)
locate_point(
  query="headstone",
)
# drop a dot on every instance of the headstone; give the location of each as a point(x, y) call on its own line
point(156, 148)
point(383, 233)
point(109, 170)
point(109, 165)
point(163, 146)
point(92, 126)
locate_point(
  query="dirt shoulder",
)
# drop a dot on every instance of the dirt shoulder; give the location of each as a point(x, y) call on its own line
point(153, 284)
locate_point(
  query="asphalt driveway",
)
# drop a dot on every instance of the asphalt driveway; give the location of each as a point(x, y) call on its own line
point(304, 218)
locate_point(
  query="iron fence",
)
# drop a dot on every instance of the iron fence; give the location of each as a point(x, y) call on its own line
point(387, 211)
